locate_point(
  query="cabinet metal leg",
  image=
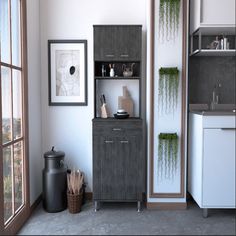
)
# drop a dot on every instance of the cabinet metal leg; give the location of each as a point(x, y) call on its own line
point(96, 206)
point(205, 212)
point(139, 206)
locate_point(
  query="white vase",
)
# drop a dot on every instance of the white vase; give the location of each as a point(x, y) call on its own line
point(112, 72)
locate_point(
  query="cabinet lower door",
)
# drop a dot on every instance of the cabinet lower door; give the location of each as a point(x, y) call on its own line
point(130, 148)
point(108, 170)
point(219, 168)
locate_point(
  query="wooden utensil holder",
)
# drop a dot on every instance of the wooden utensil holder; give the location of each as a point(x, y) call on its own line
point(104, 113)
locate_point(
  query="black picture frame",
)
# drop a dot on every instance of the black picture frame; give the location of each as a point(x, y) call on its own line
point(67, 72)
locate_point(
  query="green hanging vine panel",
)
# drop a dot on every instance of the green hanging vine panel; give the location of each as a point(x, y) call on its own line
point(167, 155)
point(168, 89)
point(169, 18)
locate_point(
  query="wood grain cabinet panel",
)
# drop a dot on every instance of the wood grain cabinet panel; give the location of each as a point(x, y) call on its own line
point(118, 165)
point(117, 43)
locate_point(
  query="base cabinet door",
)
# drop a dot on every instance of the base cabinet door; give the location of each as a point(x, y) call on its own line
point(134, 175)
point(108, 169)
point(219, 168)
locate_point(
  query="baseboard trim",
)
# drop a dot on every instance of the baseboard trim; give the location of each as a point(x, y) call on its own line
point(88, 196)
point(166, 206)
point(36, 203)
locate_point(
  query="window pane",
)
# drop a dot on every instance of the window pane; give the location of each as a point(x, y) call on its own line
point(16, 39)
point(18, 170)
point(7, 182)
point(17, 104)
point(5, 31)
point(6, 104)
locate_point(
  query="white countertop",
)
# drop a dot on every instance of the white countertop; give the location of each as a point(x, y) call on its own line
point(215, 113)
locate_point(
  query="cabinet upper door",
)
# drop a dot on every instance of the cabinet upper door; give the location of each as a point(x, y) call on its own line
point(104, 43)
point(211, 13)
point(218, 12)
point(117, 43)
point(128, 43)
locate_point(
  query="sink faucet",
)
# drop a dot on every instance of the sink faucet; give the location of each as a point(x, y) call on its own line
point(215, 97)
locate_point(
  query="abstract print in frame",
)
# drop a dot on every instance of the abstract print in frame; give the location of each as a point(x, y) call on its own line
point(67, 68)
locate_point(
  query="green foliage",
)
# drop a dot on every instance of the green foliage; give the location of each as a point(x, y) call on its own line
point(169, 18)
point(167, 155)
point(7, 182)
point(168, 89)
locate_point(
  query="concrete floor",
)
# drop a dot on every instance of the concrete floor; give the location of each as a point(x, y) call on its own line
point(122, 219)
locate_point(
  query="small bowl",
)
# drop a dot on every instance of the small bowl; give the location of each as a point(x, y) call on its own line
point(127, 73)
point(121, 116)
point(121, 110)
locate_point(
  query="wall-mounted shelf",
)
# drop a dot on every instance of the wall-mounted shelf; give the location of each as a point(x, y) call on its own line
point(201, 42)
point(214, 30)
point(213, 52)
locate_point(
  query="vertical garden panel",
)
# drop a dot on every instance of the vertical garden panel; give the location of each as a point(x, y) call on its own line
point(168, 99)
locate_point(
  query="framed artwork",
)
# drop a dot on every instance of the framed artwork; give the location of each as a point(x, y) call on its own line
point(67, 72)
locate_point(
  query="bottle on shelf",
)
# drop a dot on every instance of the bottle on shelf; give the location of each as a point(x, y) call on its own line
point(103, 71)
point(112, 72)
point(225, 43)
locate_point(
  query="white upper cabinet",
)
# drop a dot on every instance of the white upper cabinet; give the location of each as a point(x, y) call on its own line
point(211, 13)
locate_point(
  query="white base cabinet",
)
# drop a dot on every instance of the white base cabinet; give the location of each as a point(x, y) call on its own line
point(211, 160)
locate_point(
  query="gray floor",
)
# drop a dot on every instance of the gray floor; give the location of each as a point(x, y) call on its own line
point(122, 219)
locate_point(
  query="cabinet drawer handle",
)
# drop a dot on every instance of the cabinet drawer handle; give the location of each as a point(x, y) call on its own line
point(228, 128)
point(124, 141)
point(124, 55)
point(109, 141)
point(109, 55)
point(116, 129)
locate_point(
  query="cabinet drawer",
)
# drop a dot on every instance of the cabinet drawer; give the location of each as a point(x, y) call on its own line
point(117, 128)
point(219, 122)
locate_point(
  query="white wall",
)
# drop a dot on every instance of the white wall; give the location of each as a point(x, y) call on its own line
point(70, 128)
point(34, 100)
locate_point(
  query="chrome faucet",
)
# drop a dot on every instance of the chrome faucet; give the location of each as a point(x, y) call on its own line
point(215, 97)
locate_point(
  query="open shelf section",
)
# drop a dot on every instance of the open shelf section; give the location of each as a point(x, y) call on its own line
point(214, 52)
point(117, 78)
point(213, 41)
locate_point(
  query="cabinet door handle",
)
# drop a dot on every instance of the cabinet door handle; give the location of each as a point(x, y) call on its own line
point(124, 141)
point(124, 55)
point(109, 55)
point(228, 128)
point(109, 141)
point(116, 129)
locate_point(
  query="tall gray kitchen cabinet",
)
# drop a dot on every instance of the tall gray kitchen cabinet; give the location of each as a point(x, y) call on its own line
point(119, 162)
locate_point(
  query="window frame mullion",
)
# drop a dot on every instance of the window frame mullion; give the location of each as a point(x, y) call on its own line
point(12, 120)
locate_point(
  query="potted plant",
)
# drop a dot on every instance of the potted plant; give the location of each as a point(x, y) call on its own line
point(75, 182)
